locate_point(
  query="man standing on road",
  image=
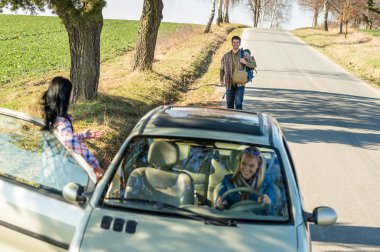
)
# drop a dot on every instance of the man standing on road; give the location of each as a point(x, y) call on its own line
point(230, 62)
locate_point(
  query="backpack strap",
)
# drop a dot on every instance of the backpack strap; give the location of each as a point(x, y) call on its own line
point(242, 56)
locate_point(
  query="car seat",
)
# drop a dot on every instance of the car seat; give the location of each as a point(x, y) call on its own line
point(194, 160)
point(219, 168)
point(160, 183)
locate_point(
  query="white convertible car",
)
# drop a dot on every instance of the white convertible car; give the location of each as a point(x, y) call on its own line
point(159, 192)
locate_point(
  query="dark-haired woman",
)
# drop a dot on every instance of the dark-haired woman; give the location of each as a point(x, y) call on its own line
point(56, 101)
point(249, 173)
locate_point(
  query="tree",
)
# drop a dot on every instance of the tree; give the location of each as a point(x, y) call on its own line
point(226, 18)
point(219, 19)
point(256, 7)
point(211, 18)
point(325, 14)
point(278, 12)
point(313, 5)
point(347, 10)
point(83, 21)
point(149, 23)
point(273, 13)
point(227, 5)
point(371, 15)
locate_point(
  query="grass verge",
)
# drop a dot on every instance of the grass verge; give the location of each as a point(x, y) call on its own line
point(206, 91)
point(358, 53)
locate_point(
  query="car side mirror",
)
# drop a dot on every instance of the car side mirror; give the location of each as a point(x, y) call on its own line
point(323, 216)
point(73, 192)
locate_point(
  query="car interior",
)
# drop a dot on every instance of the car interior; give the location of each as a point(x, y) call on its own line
point(185, 172)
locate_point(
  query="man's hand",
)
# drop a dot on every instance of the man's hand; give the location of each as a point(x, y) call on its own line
point(243, 61)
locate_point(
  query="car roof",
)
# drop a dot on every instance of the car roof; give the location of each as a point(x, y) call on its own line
point(207, 123)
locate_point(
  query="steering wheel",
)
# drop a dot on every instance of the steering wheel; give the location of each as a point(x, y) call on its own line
point(244, 205)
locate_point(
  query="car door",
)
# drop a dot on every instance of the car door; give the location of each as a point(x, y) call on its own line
point(34, 168)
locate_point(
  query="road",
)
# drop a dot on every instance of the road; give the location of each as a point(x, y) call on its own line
point(332, 121)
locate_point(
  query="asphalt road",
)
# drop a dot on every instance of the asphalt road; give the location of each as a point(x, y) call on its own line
point(332, 121)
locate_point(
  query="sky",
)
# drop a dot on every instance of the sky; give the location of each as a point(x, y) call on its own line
point(193, 11)
point(196, 11)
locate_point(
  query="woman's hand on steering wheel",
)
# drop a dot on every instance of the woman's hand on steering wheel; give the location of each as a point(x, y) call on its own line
point(246, 204)
point(220, 203)
point(265, 198)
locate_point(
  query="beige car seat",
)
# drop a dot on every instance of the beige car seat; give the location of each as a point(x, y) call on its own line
point(161, 183)
point(191, 164)
point(219, 168)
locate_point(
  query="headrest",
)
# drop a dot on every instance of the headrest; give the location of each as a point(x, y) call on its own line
point(163, 155)
point(233, 158)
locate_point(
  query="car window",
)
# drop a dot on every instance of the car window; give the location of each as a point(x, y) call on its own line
point(36, 158)
point(187, 173)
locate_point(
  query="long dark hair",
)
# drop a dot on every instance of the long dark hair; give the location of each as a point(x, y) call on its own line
point(56, 100)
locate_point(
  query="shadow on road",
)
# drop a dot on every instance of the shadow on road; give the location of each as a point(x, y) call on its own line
point(320, 116)
point(368, 236)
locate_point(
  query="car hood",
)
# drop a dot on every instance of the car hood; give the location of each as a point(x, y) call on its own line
point(162, 233)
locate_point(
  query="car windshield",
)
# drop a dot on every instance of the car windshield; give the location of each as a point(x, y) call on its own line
point(168, 175)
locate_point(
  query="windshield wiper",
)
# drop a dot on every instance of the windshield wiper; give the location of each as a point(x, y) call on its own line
point(159, 205)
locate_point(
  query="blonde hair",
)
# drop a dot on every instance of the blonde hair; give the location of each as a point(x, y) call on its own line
point(255, 153)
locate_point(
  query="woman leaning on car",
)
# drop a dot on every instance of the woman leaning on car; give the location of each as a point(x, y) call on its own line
point(56, 101)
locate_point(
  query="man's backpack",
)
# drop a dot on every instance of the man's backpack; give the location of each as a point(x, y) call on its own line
point(246, 54)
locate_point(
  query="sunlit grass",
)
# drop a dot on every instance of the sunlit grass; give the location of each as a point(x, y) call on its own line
point(359, 52)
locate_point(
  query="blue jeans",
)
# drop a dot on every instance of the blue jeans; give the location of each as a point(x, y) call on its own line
point(235, 97)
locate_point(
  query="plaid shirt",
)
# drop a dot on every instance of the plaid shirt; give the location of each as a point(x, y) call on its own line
point(73, 141)
point(227, 67)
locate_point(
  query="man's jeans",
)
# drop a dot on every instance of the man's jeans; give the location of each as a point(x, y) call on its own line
point(235, 97)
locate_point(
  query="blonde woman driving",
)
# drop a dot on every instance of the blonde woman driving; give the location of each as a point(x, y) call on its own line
point(248, 182)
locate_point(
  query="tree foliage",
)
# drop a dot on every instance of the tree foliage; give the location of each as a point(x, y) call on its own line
point(372, 14)
point(347, 11)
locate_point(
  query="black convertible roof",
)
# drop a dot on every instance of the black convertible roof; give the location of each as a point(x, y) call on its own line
point(216, 119)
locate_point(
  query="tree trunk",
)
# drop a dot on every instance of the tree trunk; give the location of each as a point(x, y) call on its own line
point(256, 17)
point(325, 14)
point(226, 18)
point(315, 15)
point(273, 14)
point(220, 13)
point(209, 23)
point(345, 34)
point(84, 39)
point(341, 27)
point(263, 9)
point(146, 44)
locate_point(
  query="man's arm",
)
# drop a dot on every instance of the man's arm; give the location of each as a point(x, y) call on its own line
point(221, 75)
point(221, 72)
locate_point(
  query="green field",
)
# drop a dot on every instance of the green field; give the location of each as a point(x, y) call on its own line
point(35, 45)
point(372, 32)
